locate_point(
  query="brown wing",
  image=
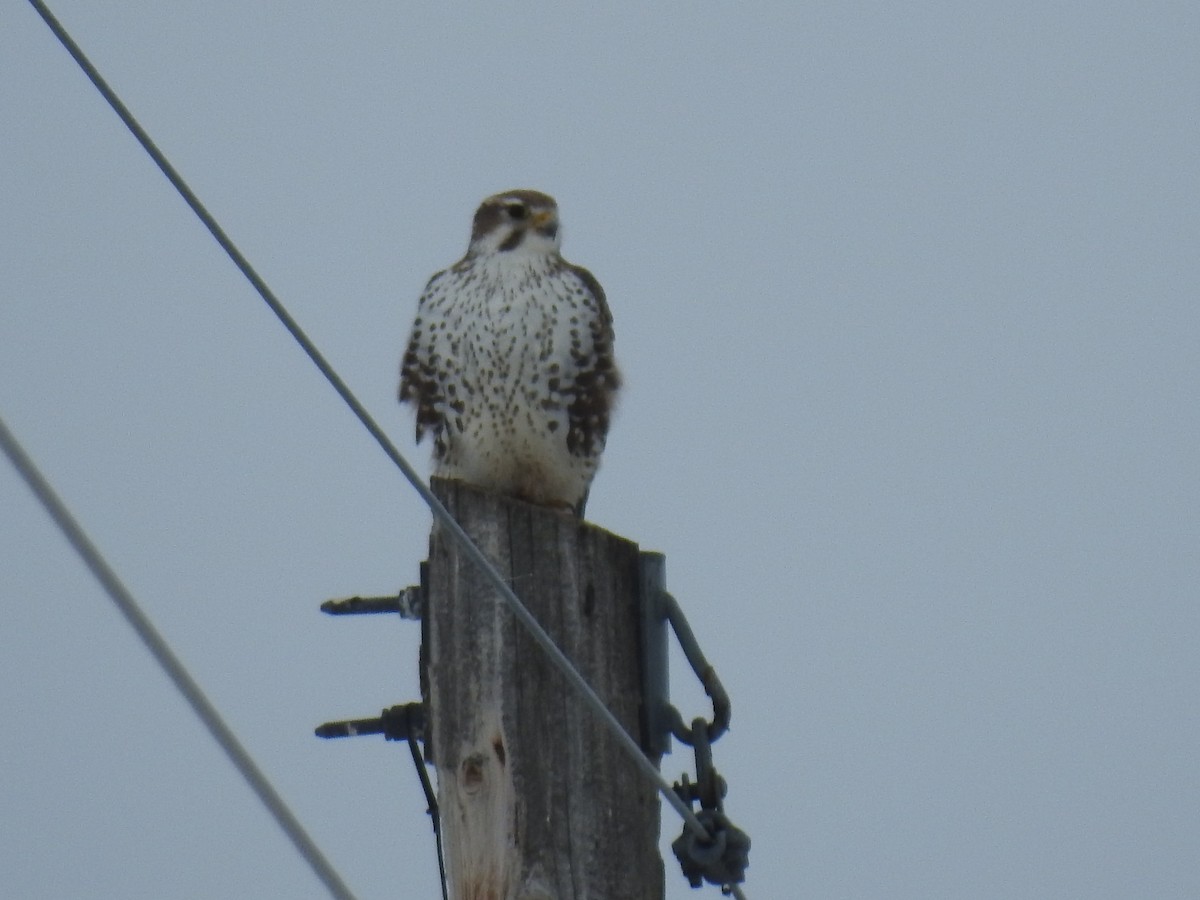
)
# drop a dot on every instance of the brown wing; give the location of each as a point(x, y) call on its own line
point(423, 373)
point(597, 378)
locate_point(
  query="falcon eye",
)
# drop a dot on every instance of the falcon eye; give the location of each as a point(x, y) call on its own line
point(517, 211)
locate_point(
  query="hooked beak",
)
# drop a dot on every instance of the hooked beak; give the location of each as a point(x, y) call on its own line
point(546, 222)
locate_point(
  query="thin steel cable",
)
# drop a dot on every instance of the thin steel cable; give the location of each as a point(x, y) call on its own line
point(440, 512)
point(170, 664)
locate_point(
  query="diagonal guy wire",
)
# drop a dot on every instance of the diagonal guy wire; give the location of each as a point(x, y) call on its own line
point(163, 655)
point(477, 556)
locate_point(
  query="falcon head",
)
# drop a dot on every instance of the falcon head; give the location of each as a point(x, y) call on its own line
point(520, 221)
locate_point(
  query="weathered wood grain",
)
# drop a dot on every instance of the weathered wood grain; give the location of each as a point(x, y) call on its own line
point(537, 800)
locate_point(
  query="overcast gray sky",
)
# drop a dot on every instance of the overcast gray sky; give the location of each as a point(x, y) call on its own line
point(906, 300)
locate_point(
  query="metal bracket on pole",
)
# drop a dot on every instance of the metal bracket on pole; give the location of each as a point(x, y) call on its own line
point(656, 686)
point(660, 717)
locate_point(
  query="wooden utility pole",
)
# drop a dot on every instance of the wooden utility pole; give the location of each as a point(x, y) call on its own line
point(537, 800)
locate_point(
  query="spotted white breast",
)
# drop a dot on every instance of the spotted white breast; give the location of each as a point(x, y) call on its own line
point(510, 361)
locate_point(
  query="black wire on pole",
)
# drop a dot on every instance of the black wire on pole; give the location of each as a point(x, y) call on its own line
point(171, 665)
point(557, 657)
point(435, 813)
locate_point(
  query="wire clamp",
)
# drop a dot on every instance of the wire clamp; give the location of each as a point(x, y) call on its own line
point(722, 858)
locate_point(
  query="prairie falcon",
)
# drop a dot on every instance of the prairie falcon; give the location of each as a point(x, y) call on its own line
point(510, 361)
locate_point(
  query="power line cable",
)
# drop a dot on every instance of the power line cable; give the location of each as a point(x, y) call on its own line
point(577, 681)
point(171, 665)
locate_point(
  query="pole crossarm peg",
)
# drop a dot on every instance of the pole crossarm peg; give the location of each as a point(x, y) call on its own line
point(396, 723)
point(409, 603)
point(405, 722)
